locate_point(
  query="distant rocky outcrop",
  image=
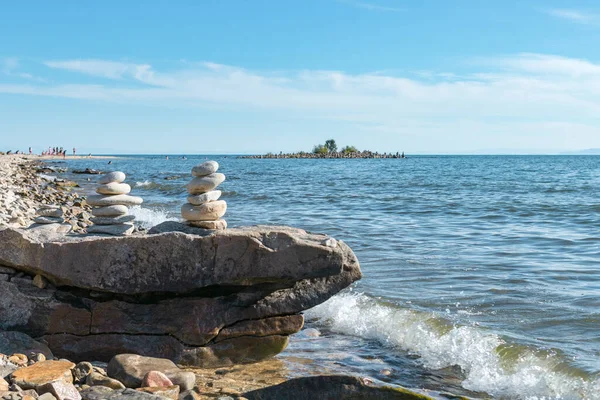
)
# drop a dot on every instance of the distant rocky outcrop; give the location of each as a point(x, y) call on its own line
point(197, 297)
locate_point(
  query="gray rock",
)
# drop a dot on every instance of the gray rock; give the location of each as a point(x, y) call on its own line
point(81, 371)
point(110, 211)
point(199, 199)
point(333, 387)
point(113, 220)
point(206, 168)
point(48, 211)
point(205, 183)
point(186, 380)
point(7, 270)
point(130, 369)
point(102, 200)
point(113, 188)
point(116, 176)
point(60, 390)
point(211, 211)
point(17, 342)
point(115, 230)
point(47, 396)
point(103, 393)
point(48, 220)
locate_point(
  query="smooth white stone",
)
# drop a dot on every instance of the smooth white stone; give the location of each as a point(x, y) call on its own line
point(206, 212)
point(205, 184)
point(199, 199)
point(115, 200)
point(116, 176)
point(110, 211)
point(112, 221)
point(206, 168)
point(114, 188)
point(217, 225)
point(122, 229)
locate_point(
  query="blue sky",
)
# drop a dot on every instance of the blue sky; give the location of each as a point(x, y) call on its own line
point(224, 76)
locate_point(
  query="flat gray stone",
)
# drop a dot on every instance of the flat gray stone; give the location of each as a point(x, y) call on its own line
point(205, 184)
point(199, 199)
point(115, 230)
point(206, 168)
point(219, 224)
point(48, 220)
point(110, 211)
point(112, 221)
point(114, 200)
point(55, 212)
point(113, 188)
point(116, 176)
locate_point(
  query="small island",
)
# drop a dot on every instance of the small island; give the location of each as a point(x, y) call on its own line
point(330, 150)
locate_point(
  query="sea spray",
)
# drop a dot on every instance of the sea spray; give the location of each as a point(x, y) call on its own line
point(149, 217)
point(490, 364)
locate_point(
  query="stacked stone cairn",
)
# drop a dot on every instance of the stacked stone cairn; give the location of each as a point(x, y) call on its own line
point(110, 206)
point(48, 214)
point(204, 209)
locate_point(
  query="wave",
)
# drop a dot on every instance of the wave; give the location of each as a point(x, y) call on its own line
point(143, 184)
point(149, 217)
point(490, 363)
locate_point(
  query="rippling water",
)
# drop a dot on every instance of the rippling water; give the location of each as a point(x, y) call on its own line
point(481, 273)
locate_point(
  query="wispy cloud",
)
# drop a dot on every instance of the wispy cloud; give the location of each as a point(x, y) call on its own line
point(371, 6)
point(9, 66)
point(577, 16)
point(507, 95)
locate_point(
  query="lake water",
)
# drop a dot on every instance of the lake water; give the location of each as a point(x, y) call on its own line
point(481, 273)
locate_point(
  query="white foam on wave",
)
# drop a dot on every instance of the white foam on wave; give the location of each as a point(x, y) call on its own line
point(531, 375)
point(149, 217)
point(144, 183)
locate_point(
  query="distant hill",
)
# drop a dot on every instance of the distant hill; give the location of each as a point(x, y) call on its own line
point(583, 152)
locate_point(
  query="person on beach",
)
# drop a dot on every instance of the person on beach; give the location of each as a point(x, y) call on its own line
point(30, 151)
point(73, 151)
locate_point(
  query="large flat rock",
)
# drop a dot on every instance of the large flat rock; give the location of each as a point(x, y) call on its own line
point(176, 262)
point(196, 297)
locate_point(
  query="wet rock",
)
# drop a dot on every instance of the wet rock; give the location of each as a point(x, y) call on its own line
point(332, 387)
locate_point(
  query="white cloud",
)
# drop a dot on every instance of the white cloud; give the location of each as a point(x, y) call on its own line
point(527, 95)
point(577, 16)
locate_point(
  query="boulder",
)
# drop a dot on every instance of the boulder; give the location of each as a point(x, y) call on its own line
point(131, 369)
point(17, 342)
point(97, 379)
point(115, 230)
point(192, 296)
point(333, 387)
point(60, 390)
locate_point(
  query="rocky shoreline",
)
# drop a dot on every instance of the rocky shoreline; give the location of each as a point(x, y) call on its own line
point(225, 301)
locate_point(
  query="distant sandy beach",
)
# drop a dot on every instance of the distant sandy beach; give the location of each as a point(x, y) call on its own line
point(68, 157)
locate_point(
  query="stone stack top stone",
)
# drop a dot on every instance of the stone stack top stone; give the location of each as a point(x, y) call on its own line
point(111, 212)
point(204, 209)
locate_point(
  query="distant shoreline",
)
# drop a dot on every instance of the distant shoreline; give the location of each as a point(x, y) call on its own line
point(330, 155)
point(68, 157)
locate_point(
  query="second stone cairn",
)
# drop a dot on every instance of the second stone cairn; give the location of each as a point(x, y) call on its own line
point(111, 214)
point(204, 209)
